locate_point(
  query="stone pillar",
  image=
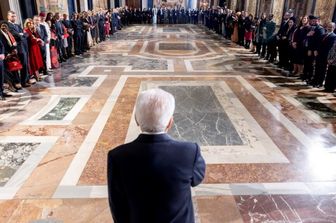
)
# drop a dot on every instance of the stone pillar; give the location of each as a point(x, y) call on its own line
point(277, 10)
point(112, 3)
point(144, 3)
point(193, 4)
point(84, 5)
point(325, 10)
point(14, 5)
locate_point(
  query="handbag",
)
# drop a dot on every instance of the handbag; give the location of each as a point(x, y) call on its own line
point(13, 64)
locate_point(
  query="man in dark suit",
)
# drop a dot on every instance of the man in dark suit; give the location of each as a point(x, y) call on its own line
point(67, 24)
point(22, 46)
point(101, 22)
point(327, 41)
point(42, 32)
point(314, 38)
point(60, 38)
point(149, 179)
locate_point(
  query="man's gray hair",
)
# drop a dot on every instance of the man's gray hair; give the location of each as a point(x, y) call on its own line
point(154, 109)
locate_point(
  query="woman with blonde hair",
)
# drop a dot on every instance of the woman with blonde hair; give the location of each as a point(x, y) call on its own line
point(34, 42)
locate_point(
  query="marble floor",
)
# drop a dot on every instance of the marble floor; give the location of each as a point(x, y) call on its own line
point(269, 141)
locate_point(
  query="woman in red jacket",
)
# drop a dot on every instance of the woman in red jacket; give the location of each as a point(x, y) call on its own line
point(34, 42)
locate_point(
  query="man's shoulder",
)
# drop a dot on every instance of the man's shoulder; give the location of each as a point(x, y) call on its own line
point(119, 150)
point(182, 146)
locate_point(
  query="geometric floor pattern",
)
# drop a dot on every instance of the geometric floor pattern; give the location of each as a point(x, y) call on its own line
point(268, 140)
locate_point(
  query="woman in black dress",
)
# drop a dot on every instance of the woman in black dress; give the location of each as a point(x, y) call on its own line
point(298, 45)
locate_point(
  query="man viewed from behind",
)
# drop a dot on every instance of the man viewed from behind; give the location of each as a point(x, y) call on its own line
point(149, 179)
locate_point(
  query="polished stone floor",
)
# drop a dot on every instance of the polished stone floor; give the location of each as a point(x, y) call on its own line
point(269, 141)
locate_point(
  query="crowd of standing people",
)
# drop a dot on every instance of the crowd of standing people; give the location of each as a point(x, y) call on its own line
point(46, 40)
point(301, 46)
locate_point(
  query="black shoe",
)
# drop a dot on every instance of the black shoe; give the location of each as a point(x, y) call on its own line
point(4, 95)
point(26, 85)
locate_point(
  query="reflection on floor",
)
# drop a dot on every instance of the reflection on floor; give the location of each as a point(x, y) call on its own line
point(268, 140)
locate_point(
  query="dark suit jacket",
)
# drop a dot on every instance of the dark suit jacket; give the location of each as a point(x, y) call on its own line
point(326, 43)
point(315, 40)
point(16, 30)
point(42, 32)
point(7, 48)
point(59, 30)
point(149, 180)
point(2, 48)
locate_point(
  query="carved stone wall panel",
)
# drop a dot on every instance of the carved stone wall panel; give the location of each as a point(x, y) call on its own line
point(233, 4)
point(251, 6)
point(325, 9)
point(278, 7)
point(60, 6)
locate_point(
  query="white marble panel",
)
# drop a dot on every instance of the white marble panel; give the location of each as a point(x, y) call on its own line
point(77, 165)
point(21, 175)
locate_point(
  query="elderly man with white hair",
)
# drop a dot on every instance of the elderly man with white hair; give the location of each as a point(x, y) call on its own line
point(149, 179)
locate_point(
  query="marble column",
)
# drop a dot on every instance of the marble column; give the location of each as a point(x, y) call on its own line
point(325, 9)
point(112, 3)
point(14, 5)
point(277, 10)
point(84, 5)
point(193, 4)
point(144, 3)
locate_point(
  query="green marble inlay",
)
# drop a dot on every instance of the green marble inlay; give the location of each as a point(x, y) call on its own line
point(63, 107)
point(78, 82)
point(199, 117)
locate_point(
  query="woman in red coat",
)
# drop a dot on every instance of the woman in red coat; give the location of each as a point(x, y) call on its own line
point(34, 42)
